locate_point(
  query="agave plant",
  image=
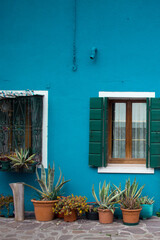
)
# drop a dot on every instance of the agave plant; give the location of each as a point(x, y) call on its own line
point(21, 158)
point(130, 198)
point(107, 196)
point(146, 200)
point(48, 191)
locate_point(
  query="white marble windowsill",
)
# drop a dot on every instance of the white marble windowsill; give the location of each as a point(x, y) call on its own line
point(126, 168)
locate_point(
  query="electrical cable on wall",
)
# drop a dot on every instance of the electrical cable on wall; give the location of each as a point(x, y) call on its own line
point(74, 68)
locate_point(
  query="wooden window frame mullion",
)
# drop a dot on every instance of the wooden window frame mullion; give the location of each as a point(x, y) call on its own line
point(128, 130)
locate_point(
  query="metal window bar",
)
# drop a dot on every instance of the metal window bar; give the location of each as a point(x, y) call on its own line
point(21, 124)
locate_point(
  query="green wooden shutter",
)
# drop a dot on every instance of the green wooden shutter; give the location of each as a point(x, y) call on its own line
point(36, 104)
point(153, 138)
point(98, 132)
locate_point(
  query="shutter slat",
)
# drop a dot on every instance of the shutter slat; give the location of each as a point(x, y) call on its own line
point(96, 125)
point(95, 136)
point(96, 114)
point(95, 147)
point(155, 148)
point(155, 161)
point(155, 137)
point(95, 159)
point(155, 126)
point(96, 103)
point(155, 114)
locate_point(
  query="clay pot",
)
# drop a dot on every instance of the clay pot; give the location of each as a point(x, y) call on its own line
point(131, 217)
point(71, 217)
point(43, 210)
point(105, 216)
point(60, 215)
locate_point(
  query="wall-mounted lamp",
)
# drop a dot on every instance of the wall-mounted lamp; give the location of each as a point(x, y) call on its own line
point(93, 53)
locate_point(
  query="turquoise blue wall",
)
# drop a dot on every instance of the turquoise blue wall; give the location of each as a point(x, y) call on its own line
point(36, 52)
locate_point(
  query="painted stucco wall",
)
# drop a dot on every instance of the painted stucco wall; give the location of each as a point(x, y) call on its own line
point(36, 52)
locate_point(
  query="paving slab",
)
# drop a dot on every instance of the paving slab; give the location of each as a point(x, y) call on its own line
point(30, 229)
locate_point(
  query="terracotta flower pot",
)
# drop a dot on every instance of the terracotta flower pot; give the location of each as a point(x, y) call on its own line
point(105, 216)
point(43, 210)
point(131, 217)
point(71, 217)
point(60, 215)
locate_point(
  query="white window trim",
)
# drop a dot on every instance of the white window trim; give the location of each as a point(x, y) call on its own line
point(126, 168)
point(44, 123)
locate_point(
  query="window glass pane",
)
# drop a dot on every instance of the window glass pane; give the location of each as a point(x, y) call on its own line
point(138, 130)
point(118, 130)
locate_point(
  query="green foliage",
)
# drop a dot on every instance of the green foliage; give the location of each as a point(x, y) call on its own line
point(130, 203)
point(67, 204)
point(5, 201)
point(107, 196)
point(146, 200)
point(48, 191)
point(21, 158)
point(130, 197)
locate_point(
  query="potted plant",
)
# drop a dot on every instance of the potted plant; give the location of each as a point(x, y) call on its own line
point(48, 193)
point(92, 213)
point(71, 206)
point(21, 161)
point(106, 202)
point(6, 206)
point(58, 207)
point(4, 163)
point(130, 204)
point(147, 207)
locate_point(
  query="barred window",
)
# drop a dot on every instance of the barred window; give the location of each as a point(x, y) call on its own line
point(21, 124)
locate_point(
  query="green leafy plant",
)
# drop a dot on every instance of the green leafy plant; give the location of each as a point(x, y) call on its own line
point(130, 197)
point(48, 191)
point(67, 204)
point(146, 200)
point(108, 196)
point(5, 201)
point(21, 158)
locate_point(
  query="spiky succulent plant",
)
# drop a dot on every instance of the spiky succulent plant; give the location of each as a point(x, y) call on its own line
point(107, 196)
point(21, 158)
point(146, 200)
point(130, 197)
point(49, 190)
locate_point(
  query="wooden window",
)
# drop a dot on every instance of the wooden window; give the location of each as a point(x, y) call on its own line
point(21, 124)
point(127, 131)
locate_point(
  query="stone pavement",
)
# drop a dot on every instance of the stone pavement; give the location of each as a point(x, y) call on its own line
point(78, 230)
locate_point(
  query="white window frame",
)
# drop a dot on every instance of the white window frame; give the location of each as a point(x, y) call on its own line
point(44, 122)
point(127, 168)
